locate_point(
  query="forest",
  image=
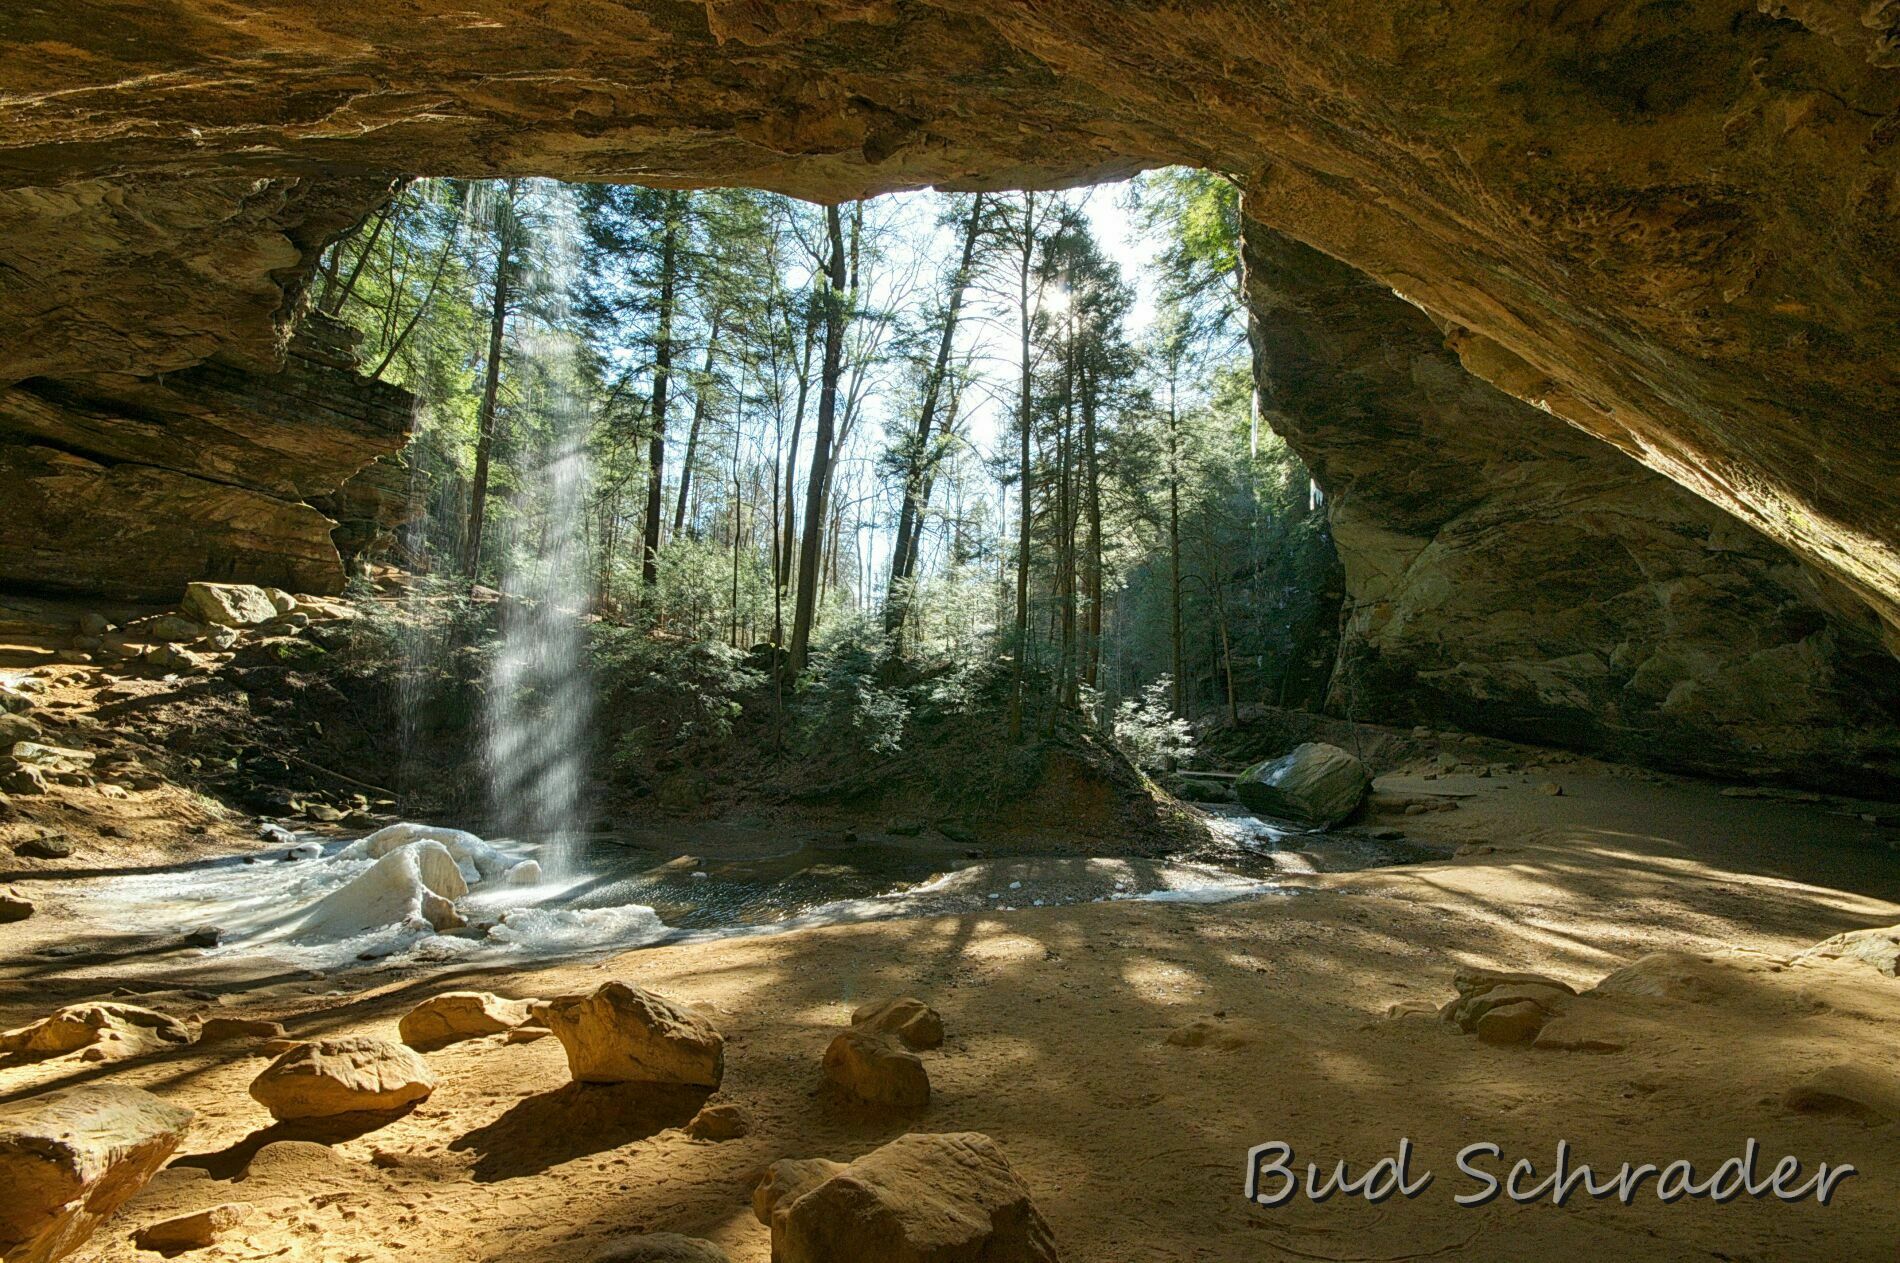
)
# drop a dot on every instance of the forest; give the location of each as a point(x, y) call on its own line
point(935, 432)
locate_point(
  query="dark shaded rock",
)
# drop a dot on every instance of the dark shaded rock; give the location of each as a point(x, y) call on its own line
point(1314, 784)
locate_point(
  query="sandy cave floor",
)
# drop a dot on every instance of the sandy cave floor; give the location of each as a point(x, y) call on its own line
point(1059, 1023)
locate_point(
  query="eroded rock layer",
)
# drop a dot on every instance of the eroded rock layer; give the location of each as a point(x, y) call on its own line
point(132, 487)
point(1514, 575)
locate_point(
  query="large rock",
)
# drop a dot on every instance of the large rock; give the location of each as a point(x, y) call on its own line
point(1510, 574)
point(624, 1034)
point(950, 1198)
point(1314, 784)
point(786, 1180)
point(872, 1067)
point(228, 604)
point(68, 1159)
point(114, 1030)
point(351, 1075)
point(456, 1015)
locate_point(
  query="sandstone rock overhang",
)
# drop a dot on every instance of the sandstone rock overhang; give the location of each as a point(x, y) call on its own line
point(1676, 228)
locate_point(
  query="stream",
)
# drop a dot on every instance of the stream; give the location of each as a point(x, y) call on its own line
point(395, 897)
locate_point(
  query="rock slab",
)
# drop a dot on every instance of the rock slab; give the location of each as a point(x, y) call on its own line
point(457, 1015)
point(353, 1075)
point(68, 1159)
point(923, 1198)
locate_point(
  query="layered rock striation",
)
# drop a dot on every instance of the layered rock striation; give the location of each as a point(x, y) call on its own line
point(1511, 574)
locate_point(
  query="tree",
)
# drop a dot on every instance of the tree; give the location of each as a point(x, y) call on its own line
point(835, 300)
point(508, 233)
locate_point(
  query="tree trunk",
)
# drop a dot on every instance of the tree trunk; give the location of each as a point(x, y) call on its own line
point(1022, 464)
point(805, 607)
point(333, 300)
point(910, 519)
point(485, 415)
point(790, 532)
point(1092, 661)
point(1174, 546)
point(692, 430)
point(662, 372)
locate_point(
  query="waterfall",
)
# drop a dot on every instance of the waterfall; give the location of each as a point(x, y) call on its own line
point(539, 697)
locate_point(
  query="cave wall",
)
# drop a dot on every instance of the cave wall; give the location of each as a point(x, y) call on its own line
point(1509, 574)
point(130, 487)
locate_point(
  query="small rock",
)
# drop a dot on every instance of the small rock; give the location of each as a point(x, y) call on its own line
point(1411, 1008)
point(659, 1247)
point(192, 1232)
point(47, 846)
point(921, 1198)
point(94, 624)
point(909, 1019)
point(626, 1034)
point(351, 1075)
point(70, 1158)
point(218, 1030)
point(322, 813)
point(1421, 733)
point(14, 906)
point(871, 1067)
point(1551, 788)
point(724, 1121)
point(457, 1015)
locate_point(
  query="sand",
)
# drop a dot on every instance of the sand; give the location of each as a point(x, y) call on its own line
point(1127, 1056)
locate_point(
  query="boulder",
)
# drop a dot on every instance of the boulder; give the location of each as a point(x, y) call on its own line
point(922, 1198)
point(117, 1030)
point(870, 1066)
point(457, 1015)
point(16, 728)
point(228, 604)
point(659, 1247)
point(909, 1019)
point(351, 1075)
point(1315, 784)
point(624, 1034)
point(14, 906)
point(68, 1159)
point(218, 1030)
point(194, 1231)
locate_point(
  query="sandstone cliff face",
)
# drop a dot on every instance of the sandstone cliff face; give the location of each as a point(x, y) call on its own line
point(1516, 576)
point(1676, 226)
point(132, 487)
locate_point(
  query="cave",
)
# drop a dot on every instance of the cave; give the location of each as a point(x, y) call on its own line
point(1670, 230)
point(1584, 319)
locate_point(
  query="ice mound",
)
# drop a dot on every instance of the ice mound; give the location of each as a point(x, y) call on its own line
point(394, 891)
point(478, 860)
